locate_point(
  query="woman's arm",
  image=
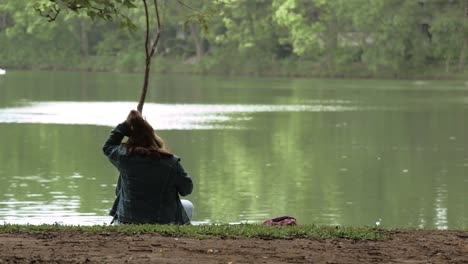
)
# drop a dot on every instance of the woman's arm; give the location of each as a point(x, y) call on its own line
point(112, 148)
point(183, 181)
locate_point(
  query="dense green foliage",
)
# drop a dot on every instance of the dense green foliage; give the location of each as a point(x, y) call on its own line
point(362, 38)
point(206, 231)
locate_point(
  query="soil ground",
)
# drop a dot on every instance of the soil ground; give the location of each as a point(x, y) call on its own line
point(415, 246)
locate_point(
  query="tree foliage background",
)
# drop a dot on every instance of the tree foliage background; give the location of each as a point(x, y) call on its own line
point(361, 38)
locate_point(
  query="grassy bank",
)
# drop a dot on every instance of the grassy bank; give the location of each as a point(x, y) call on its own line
point(207, 231)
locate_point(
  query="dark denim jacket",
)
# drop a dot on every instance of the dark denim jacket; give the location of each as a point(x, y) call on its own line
point(148, 188)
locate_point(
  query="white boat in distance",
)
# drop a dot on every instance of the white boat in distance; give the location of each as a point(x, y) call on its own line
point(2, 71)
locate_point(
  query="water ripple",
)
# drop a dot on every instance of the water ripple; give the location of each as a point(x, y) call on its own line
point(164, 116)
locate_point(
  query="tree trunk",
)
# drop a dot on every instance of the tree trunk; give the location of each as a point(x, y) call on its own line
point(197, 41)
point(84, 41)
point(145, 85)
point(462, 58)
point(2, 21)
point(149, 51)
point(447, 64)
point(332, 46)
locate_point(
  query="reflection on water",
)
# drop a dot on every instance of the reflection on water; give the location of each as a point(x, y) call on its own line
point(57, 218)
point(441, 207)
point(61, 209)
point(165, 116)
point(387, 153)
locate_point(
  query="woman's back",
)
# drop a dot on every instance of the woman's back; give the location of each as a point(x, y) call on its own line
point(149, 190)
point(149, 185)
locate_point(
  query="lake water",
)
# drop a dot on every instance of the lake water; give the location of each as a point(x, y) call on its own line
point(333, 152)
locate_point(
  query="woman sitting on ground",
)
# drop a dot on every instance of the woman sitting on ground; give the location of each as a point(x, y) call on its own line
point(151, 178)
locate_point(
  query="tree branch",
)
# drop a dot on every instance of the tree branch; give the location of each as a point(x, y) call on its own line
point(156, 10)
point(147, 29)
point(156, 41)
point(187, 6)
point(49, 17)
point(149, 52)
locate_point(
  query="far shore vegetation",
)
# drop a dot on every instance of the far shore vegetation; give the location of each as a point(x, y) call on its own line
point(391, 39)
point(247, 68)
point(213, 230)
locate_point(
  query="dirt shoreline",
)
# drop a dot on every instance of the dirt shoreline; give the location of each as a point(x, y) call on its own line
point(406, 246)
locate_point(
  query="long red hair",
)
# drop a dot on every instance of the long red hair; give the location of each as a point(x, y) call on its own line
point(143, 140)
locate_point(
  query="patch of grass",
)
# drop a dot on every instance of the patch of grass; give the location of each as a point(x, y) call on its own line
point(223, 230)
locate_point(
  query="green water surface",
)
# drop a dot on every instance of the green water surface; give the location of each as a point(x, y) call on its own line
point(338, 152)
